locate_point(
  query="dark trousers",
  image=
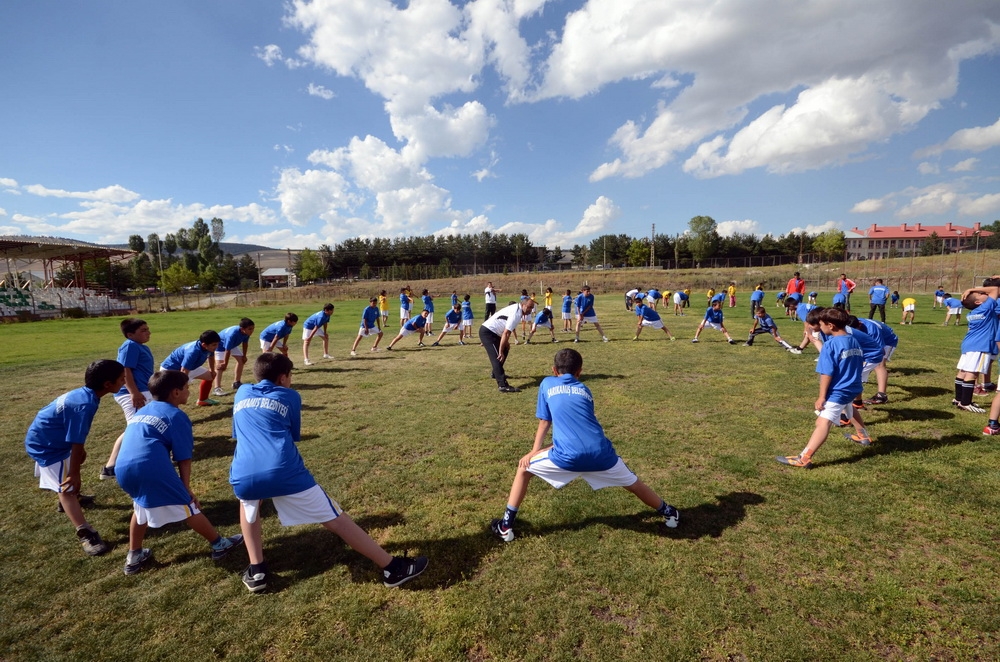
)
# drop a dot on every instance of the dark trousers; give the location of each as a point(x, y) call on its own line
point(491, 310)
point(491, 343)
point(755, 333)
point(881, 310)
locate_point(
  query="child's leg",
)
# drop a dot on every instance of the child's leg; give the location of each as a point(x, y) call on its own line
point(326, 344)
point(114, 451)
point(882, 377)
point(240, 362)
point(305, 349)
point(200, 525)
point(70, 502)
point(220, 367)
point(204, 390)
point(700, 327)
point(378, 339)
point(645, 494)
point(726, 333)
point(519, 488)
point(357, 341)
point(358, 540)
point(599, 329)
point(252, 537)
point(136, 534)
point(819, 435)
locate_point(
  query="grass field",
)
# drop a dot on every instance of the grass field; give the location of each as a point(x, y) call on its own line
point(886, 552)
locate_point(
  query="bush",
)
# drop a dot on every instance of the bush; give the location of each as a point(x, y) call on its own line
point(75, 313)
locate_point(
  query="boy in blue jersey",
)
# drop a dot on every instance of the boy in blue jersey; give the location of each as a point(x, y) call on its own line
point(267, 465)
point(371, 325)
point(567, 311)
point(234, 342)
point(405, 303)
point(158, 436)
point(467, 318)
point(714, 318)
point(579, 447)
point(138, 362)
point(415, 325)
point(839, 368)
point(939, 295)
point(954, 307)
point(873, 354)
point(886, 337)
point(452, 322)
point(839, 300)
point(275, 336)
point(55, 442)
point(190, 359)
point(756, 299)
point(877, 296)
point(978, 344)
point(316, 325)
point(585, 313)
point(543, 320)
point(428, 301)
point(764, 323)
point(648, 317)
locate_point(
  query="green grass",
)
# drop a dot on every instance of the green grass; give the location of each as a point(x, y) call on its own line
point(886, 552)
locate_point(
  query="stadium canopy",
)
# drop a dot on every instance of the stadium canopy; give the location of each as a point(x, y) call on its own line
point(26, 250)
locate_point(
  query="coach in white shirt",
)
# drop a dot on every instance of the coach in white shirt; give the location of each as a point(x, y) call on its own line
point(495, 332)
point(491, 300)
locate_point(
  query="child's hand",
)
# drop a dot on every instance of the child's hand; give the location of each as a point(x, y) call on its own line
point(525, 461)
point(138, 401)
point(71, 484)
point(819, 403)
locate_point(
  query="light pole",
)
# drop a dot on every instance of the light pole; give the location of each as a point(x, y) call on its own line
point(260, 275)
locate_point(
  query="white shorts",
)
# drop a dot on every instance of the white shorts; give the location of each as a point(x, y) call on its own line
point(617, 476)
point(466, 324)
point(319, 332)
point(909, 308)
point(404, 313)
point(408, 332)
point(162, 515)
point(310, 506)
point(939, 299)
point(656, 324)
point(220, 356)
point(974, 361)
point(371, 331)
point(889, 351)
point(264, 344)
point(866, 371)
point(713, 325)
point(677, 299)
point(125, 402)
point(384, 313)
point(831, 411)
point(52, 476)
point(547, 324)
point(954, 311)
point(451, 327)
point(195, 373)
point(592, 319)
point(430, 318)
point(567, 316)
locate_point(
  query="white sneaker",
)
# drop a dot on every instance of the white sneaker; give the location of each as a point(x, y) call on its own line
point(307, 362)
point(218, 391)
point(327, 356)
point(694, 340)
point(795, 350)
point(605, 339)
point(353, 353)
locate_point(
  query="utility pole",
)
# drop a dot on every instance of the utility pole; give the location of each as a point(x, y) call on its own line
point(652, 246)
point(604, 264)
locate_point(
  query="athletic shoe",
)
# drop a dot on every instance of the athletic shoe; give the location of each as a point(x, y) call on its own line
point(732, 342)
point(672, 338)
point(435, 344)
point(307, 362)
point(353, 353)
point(605, 339)
point(973, 407)
point(794, 461)
point(858, 439)
point(672, 518)
point(92, 543)
point(858, 404)
point(376, 349)
point(991, 431)
point(504, 534)
point(460, 342)
point(420, 344)
point(106, 473)
point(795, 350)
point(554, 340)
point(979, 390)
point(507, 388)
point(746, 344)
point(576, 340)
point(407, 569)
point(635, 338)
point(878, 399)
point(207, 403)
point(134, 563)
point(528, 341)
point(327, 356)
point(226, 545)
point(236, 385)
point(990, 387)
point(954, 402)
point(694, 340)
point(388, 349)
point(86, 500)
point(843, 422)
point(254, 583)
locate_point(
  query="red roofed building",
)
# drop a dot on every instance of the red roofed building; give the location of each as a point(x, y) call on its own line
point(876, 242)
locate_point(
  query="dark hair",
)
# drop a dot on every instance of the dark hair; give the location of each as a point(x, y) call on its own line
point(835, 317)
point(271, 366)
point(373, 300)
point(991, 282)
point(291, 317)
point(969, 302)
point(465, 298)
point(568, 362)
point(130, 325)
point(812, 317)
point(245, 322)
point(163, 383)
point(524, 293)
point(102, 371)
point(569, 293)
point(854, 322)
point(382, 292)
point(424, 292)
point(328, 306)
point(209, 337)
point(547, 313)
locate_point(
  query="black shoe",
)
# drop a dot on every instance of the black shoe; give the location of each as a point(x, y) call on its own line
point(107, 473)
point(92, 543)
point(403, 570)
point(507, 388)
point(134, 564)
point(254, 583)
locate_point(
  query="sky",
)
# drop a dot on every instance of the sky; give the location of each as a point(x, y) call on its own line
point(311, 122)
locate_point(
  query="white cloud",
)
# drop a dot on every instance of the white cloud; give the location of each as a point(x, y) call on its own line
point(311, 194)
point(927, 168)
point(816, 229)
point(596, 218)
point(869, 206)
point(272, 54)
point(986, 205)
point(3, 212)
point(10, 229)
point(320, 91)
point(113, 193)
point(968, 165)
point(729, 228)
point(443, 133)
point(284, 238)
point(936, 199)
point(976, 139)
point(7, 182)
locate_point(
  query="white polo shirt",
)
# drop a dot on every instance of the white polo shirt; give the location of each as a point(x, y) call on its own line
point(505, 319)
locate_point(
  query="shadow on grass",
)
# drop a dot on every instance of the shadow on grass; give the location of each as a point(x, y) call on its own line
point(925, 391)
point(895, 444)
point(220, 445)
point(896, 414)
point(537, 381)
point(909, 371)
point(299, 386)
point(221, 412)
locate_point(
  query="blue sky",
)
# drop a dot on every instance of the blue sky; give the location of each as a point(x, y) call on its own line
point(310, 122)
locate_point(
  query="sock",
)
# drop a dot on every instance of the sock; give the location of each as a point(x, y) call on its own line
point(86, 527)
point(204, 390)
point(258, 569)
point(218, 543)
point(967, 388)
point(662, 510)
point(805, 454)
point(785, 345)
point(132, 553)
point(509, 515)
point(958, 389)
point(994, 423)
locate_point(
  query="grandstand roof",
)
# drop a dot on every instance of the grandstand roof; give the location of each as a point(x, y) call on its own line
point(24, 247)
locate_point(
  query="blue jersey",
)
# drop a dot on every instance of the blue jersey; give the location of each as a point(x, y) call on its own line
point(230, 338)
point(415, 323)
point(714, 316)
point(684, 296)
point(188, 356)
point(840, 298)
point(139, 359)
point(60, 424)
point(453, 317)
point(952, 302)
point(794, 296)
point(881, 332)
point(542, 317)
point(842, 359)
point(144, 468)
point(646, 313)
point(939, 292)
point(872, 349)
point(267, 425)
point(894, 297)
point(766, 322)
point(428, 302)
point(803, 309)
point(454, 300)
point(404, 301)
point(467, 310)
point(720, 297)
point(654, 294)
point(578, 440)
point(277, 330)
point(878, 294)
point(567, 303)
point(369, 317)
point(584, 304)
point(316, 319)
point(757, 296)
point(982, 331)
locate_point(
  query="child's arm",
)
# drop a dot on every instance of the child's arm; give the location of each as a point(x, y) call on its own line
point(184, 469)
point(536, 448)
point(824, 386)
point(993, 292)
point(138, 400)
